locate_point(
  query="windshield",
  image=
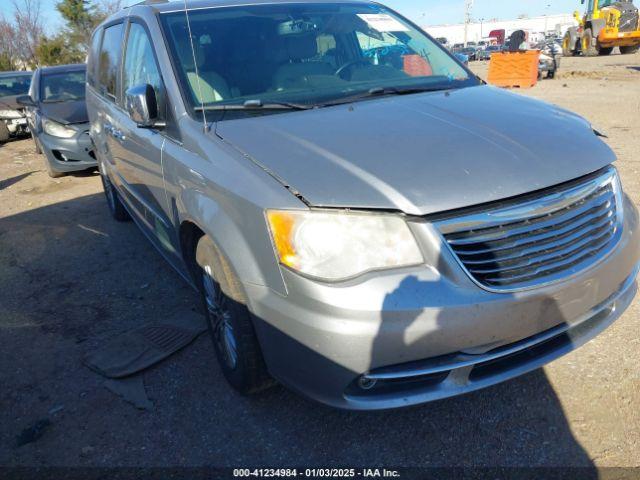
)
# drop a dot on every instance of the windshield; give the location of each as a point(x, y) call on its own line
point(62, 87)
point(15, 85)
point(306, 54)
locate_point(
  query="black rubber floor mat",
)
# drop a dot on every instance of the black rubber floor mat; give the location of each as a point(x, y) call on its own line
point(138, 349)
point(131, 390)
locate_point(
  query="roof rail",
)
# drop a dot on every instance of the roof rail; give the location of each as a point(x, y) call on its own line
point(146, 2)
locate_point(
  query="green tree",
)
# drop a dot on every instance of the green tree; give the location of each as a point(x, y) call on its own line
point(59, 50)
point(6, 63)
point(81, 18)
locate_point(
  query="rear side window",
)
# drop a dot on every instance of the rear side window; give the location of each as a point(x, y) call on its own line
point(109, 61)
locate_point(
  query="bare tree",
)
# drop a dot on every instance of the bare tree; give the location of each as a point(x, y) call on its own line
point(109, 7)
point(29, 29)
point(8, 50)
point(22, 35)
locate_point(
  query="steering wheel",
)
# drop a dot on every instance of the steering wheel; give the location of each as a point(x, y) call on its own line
point(349, 65)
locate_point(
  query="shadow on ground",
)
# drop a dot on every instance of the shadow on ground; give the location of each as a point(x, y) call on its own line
point(13, 180)
point(71, 277)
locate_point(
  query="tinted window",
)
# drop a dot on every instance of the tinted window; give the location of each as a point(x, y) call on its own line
point(93, 55)
point(15, 85)
point(62, 87)
point(110, 60)
point(140, 64)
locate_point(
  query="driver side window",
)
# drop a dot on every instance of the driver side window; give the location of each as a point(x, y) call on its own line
point(140, 65)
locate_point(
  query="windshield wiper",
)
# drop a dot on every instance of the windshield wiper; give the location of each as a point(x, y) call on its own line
point(257, 105)
point(383, 92)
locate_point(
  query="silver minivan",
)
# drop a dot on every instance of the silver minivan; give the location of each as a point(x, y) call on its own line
point(368, 223)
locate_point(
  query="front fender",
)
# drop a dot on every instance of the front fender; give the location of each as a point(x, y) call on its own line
point(209, 184)
point(239, 232)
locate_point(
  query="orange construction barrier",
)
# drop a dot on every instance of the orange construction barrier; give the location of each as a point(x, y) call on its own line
point(514, 69)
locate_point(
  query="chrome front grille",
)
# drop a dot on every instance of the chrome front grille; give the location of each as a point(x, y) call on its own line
point(541, 239)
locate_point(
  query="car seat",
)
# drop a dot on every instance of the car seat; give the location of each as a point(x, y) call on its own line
point(207, 87)
point(298, 50)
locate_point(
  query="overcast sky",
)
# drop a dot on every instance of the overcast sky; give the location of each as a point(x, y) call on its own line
point(423, 12)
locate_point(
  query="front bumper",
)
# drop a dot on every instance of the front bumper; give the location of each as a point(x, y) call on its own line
point(69, 154)
point(613, 38)
point(16, 126)
point(429, 333)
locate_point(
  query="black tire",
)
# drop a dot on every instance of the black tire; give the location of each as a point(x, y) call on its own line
point(603, 52)
point(567, 49)
point(629, 50)
point(588, 48)
point(4, 132)
point(52, 173)
point(118, 212)
point(229, 321)
point(551, 74)
point(37, 149)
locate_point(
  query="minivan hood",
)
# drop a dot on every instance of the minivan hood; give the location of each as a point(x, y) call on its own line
point(66, 112)
point(424, 153)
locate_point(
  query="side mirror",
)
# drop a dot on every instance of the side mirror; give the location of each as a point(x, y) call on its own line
point(142, 106)
point(25, 101)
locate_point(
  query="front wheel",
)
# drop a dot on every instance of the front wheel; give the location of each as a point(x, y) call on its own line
point(588, 48)
point(118, 212)
point(605, 51)
point(568, 48)
point(629, 50)
point(37, 149)
point(52, 172)
point(230, 324)
point(4, 132)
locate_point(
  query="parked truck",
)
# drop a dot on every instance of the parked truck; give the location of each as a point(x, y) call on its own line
point(605, 25)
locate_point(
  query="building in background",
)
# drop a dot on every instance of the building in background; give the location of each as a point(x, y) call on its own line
point(476, 31)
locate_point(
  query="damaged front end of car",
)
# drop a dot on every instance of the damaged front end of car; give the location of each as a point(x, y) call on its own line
point(14, 122)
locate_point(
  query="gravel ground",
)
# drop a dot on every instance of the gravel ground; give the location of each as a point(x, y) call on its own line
point(70, 277)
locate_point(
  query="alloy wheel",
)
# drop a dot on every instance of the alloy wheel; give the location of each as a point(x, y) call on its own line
point(219, 317)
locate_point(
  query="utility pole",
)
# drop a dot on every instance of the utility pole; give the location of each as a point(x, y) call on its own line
point(546, 20)
point(468, 7)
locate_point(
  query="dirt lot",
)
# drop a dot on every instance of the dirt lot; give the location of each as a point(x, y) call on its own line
point(70, 277)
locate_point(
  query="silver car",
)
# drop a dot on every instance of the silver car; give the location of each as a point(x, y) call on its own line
point(58, 120)
point(372, 231)
point(13, 122)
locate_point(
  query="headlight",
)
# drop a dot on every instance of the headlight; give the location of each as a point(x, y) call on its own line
point(10, 114)
point(337, 246)
point(56, 129)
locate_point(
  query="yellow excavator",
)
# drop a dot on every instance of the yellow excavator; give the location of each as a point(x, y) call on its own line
point(605, 25)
